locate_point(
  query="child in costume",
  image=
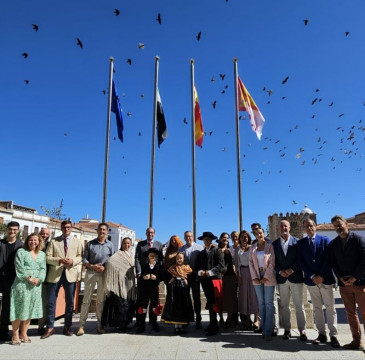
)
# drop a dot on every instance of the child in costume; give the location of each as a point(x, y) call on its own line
point(178, 309)
point(151, 274)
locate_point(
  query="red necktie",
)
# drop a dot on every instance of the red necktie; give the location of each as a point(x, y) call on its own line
point(149, 244)
point(65, 245)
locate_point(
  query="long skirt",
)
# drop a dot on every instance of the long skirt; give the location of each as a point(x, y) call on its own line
point(178, 308)
point(230, 294)
point(247, 299)
point(117, 312)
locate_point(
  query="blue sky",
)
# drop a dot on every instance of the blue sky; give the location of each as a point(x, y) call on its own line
point(53, 128)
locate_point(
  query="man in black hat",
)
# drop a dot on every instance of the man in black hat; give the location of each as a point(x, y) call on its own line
point(210, 264)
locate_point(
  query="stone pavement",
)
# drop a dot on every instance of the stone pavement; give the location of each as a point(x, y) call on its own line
point(229, 344)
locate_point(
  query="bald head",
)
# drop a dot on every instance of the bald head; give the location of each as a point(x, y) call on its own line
point(284, 227)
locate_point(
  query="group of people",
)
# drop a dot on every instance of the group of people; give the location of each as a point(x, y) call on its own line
point(242, 280)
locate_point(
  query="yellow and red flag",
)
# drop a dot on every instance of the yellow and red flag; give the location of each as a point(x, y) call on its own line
point(246, 103)
point(199, 131)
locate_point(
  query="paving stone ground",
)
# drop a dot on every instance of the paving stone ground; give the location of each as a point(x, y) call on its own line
point(229, 344)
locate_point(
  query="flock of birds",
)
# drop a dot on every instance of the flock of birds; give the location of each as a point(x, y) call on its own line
point(349, 137)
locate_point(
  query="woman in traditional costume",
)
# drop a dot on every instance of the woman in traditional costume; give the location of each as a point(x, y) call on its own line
point(120, 288)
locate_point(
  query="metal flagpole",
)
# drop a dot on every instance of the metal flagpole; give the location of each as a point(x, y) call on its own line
point(193, 141)
point(238, 146)
point(106, 161)
point(153, 142)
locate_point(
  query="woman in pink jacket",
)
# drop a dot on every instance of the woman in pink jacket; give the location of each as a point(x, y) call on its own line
point(262, 265)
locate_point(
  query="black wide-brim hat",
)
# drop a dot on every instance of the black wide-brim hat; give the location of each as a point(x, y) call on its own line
point(152, 250)
point(207, 234)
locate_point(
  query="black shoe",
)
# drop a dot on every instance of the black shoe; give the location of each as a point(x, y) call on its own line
point(274, 331)
point(303, 336)
point(334, 342)
point(5, 337)
point(286, 335)
point(258, 331)
point(321, 339)
point(141, 328)
point(198, 325)
point(177, 331)
point(155, 327)
point(212, 331)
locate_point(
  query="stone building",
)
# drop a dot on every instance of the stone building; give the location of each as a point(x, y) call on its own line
point(295, 220)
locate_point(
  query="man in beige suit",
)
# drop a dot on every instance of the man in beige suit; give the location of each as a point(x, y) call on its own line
point(64, 254)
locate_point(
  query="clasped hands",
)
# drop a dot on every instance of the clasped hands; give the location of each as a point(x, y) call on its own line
point(149, 276)
point(66, 262)
point(286, 273)
point(348, 280)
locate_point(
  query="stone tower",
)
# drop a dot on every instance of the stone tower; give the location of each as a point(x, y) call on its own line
point(295, 220)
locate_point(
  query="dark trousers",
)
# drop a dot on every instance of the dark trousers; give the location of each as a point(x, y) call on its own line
point(147, 295)
point(194, 285)
point(52, 293)
point(5, 309)
point(208, 289)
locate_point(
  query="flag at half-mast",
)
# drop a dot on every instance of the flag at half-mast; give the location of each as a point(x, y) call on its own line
point(246, 103)
point(161, 123)
point(117, 109)
point(199, 131)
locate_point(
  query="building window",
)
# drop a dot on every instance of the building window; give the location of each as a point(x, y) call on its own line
point(36, 229)
point(25, 231)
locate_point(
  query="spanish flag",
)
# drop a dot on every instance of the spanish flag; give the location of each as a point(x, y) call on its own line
point(246, 103)
point(199, 131)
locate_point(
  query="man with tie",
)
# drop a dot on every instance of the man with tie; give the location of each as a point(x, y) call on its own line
point(312, 256)
point(140, 260)
point(64, 254)
point(347, 259)
point(191, 251)
point(289, 276)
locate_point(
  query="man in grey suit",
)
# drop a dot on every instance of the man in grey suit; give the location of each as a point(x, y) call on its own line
point(140, 259)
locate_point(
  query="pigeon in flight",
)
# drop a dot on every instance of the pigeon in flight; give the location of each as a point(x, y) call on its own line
point(79, 43)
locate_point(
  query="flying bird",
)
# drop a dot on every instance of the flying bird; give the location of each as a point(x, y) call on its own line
point(212, 79)
point(159, 18)
point(347, 33)
point(185, 121)
point(269, 92)
point(103, 91)
point(294, 202)
point(214, 103)
point(199, 35)
point(306, 22)
point(313, 101)
point(129, 114)
point(35, 27)
point(116, 12)
point(129, 61)
point(26, 81)
point(285, 80)
point(140, 46)
point(222, 76)
point(25, 55)
point(79, 43)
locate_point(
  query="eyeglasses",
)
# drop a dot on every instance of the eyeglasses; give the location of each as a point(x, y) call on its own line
point(67, 227)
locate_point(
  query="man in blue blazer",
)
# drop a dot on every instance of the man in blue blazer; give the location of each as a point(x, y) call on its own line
point(313, 259)
point(289, 276)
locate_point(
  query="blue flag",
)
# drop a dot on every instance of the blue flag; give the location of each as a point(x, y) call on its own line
point(117, 110)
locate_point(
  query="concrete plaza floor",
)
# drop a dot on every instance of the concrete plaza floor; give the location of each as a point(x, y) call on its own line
point(229, 344)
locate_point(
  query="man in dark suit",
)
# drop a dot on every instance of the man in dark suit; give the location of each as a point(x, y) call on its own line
point(312, 256)
point(140, 260)
point(289, 276)
point(210, 265)
point(347, 259)
point(8, 248)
